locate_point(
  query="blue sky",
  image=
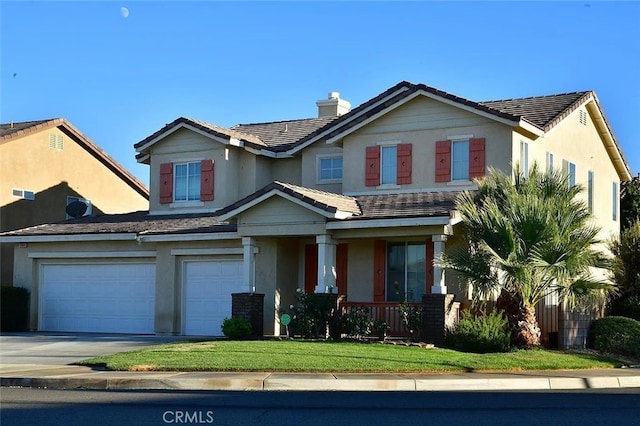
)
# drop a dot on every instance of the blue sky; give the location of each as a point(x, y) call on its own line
point(119, 79)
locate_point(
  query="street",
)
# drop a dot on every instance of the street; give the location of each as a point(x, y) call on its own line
point(26, 406)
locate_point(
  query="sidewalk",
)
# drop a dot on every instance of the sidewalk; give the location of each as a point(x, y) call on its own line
point(80, 377)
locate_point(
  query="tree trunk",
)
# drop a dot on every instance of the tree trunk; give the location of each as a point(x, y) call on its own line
point(525, 332)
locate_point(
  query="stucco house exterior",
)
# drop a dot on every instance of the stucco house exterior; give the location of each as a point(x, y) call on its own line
point(355, 201)
point(47, 164)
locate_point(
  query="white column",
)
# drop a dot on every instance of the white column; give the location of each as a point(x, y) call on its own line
point(439, 284)
point(248, 264)
point(326, 264)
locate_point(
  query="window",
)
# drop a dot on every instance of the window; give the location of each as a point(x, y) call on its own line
point(389, 162)
point(330, 169)
point(24, 194)
point(615, 195)
point(524, 158)
point(460, 160)
point(550, 161)
point(570, 169)
point(590, 191)
point(87, 212)
point(187, 182)
point(406, 271)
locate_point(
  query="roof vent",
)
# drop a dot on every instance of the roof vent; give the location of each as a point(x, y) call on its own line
point(333, 106)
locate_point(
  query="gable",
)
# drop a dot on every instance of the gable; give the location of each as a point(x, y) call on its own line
point(184, 141)
point(279, 216)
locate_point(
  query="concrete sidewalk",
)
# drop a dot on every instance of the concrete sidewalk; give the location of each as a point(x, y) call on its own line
point(79, 377)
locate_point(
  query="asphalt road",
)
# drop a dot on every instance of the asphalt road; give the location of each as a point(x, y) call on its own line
point(55, 407)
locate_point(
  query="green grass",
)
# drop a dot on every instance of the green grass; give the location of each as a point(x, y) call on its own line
point(306, 356)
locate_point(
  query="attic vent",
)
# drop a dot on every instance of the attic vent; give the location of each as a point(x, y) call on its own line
point(583, 117)
point(56, 142)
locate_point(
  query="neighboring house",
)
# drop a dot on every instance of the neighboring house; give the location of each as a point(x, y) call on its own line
point(46, 165)
point(360, 200)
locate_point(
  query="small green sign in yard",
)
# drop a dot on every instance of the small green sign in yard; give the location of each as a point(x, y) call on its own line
point(285, 319)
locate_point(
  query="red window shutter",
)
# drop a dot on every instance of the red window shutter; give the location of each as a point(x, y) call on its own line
point(342, 251)
point(310, 268)
point(476, 158)
point(443, 161)
point(429, 283)
point(166, 183)
point(379, 270)
point(404, 164)
point(206, 180)
point(372, 166)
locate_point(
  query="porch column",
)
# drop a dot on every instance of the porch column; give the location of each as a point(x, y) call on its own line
point(326, 264)
point(248, 264)
point(439, 284)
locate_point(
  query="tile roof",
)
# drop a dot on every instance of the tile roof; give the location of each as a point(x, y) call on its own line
point(328, 201)
point(539, 110)
point(140, 222)
point(419, 204)
point(17, 129)
point(283, 135)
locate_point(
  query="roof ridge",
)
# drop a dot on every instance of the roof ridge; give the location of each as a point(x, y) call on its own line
point(314, 190)
point(283, 121)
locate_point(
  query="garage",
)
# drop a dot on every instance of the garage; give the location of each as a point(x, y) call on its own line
point(98, 297)
point(207, 295)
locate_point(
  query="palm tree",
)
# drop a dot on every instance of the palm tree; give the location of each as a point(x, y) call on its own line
point(528, 237)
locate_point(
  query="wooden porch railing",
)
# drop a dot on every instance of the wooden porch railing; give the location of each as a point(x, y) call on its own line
point(388, 312)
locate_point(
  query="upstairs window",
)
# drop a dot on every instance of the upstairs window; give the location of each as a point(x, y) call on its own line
point(389, 162)
point(460, 160)
point(570, 169)
point(330, 169)
point(24, 194)
point(590, 191)
point(524, 158)
point(187, 182)
point(550, 161)
point(184, 182)
point(615, 196)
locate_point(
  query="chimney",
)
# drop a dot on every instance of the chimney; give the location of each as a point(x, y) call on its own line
point(333, 106)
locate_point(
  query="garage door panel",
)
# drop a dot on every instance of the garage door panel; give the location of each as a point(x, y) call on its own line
point(115, 298)
point(207, 295)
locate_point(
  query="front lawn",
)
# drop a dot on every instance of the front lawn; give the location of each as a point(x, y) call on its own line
point(306, 356)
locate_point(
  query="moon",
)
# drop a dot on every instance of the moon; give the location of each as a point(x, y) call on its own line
point(124, 12)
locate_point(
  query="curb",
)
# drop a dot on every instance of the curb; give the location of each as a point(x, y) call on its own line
point(314, 382)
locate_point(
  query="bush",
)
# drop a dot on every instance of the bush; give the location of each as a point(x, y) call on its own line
point(312, 315)
point(618, 335)
point(480, 334)
point(236, 328)
point(14, 308)
point(356, 322)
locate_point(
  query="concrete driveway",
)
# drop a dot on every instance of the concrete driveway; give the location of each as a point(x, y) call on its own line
point(40, 348)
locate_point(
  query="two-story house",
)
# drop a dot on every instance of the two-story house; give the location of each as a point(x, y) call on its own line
point(45, 166)
point(356, 201)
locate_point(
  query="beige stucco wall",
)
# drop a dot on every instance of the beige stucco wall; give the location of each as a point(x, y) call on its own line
point(278, 216)
point(580, 144)
point(422, 122)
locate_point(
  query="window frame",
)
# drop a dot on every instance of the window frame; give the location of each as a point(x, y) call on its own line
point(590, 191)
point(464, 165)
point(524, 158)
point(549, 158)
point(319, 159)
point(389, 289)
point(615, 196)
point(175, 181)
point(24, 194)
point(391, 163)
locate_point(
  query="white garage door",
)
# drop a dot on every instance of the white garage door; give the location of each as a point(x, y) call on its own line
point(104, 298)
point(207, 295)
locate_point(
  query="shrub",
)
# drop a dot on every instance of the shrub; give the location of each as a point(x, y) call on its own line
point(356, 322)
point(480, 334)
point(14, 308)
point(618, 335)
point(312, 315)
point(236, 328)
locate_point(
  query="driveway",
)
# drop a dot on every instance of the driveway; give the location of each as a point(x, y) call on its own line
point(39, 348)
